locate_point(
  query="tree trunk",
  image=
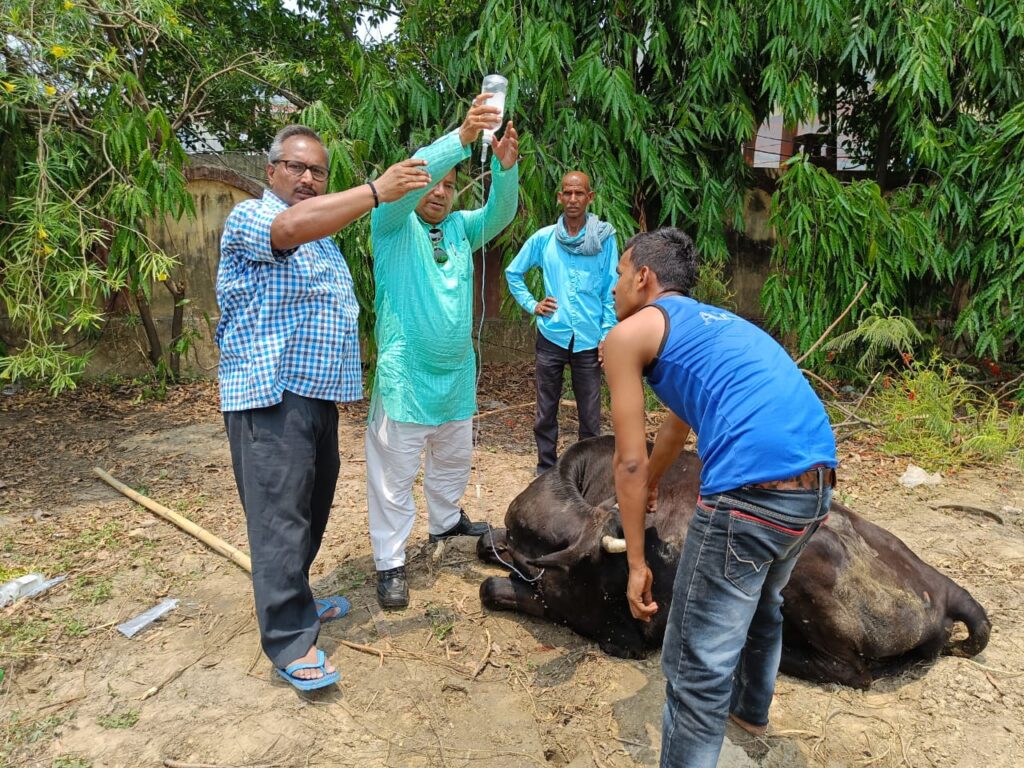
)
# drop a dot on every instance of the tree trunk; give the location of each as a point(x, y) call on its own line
point(156, 351)
point(177, 291)
point(884, 150)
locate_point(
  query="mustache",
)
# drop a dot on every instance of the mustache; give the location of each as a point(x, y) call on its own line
point(306, 189)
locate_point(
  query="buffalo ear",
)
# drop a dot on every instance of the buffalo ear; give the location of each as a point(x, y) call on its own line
point(562, 560)
point(581, 549)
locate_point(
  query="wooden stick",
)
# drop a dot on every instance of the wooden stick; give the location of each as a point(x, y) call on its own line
point(217, 545)
point(863, 397)
point(835, 322)
point(486, 656)
point(853, 415)
point(820, 380)
point(496, 411)
point(171, 763)
point(364, 649)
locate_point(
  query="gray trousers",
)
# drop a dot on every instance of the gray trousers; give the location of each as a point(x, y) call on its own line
point(286, 465)
point(586, 385)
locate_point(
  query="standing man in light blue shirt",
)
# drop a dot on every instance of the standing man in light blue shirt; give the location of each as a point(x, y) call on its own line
point(577, 256)
point(289, 350)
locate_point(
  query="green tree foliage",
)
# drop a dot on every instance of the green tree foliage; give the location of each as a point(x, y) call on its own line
point(930, 94)
point(879, 332)
point(653, 99)
point(97, 100)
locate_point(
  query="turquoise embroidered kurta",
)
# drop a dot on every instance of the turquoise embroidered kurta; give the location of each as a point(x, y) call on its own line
point(426, 367)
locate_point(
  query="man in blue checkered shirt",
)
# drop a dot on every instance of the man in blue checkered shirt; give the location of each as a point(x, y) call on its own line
point(289, 350)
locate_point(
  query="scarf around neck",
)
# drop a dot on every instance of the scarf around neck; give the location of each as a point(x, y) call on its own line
point(589, 241)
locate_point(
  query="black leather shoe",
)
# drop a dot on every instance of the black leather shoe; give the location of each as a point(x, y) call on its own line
point(392, 588)
point(465, 527)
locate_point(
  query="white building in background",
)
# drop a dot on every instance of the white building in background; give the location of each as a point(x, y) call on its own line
point(774, 144)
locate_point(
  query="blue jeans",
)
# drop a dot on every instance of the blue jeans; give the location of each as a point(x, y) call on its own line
point(723, 641)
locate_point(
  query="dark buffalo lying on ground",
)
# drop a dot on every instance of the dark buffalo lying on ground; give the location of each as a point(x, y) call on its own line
point(859, 604)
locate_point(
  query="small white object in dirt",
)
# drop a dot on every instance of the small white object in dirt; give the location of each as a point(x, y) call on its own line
point(29, 585)
point(133, 626)
point(915, 476)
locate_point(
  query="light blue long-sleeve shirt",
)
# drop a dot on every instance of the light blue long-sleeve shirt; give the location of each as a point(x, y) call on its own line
point(426, 368)
point(582, 286)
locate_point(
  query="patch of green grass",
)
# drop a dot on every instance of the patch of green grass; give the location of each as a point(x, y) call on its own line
point(105, 536)
point(19, 632)
point(54, 549)
point(18, 735)
point(348, 578)
point(31, 731)
point(187, 504)
point(125, 719)
point(75, 628)
point(94, 589)
point(7, 574)
point(932, 414)
point(66, 551)
point(442, 621)
point(100, 592)
point(71, 761)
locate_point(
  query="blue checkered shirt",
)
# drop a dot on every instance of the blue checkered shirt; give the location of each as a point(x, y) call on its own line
point(287, 317)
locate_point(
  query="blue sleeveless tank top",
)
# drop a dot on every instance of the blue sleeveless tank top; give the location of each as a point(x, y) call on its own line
point(755, 415)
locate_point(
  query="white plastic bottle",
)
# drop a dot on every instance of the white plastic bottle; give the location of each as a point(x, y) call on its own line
point(497, 86)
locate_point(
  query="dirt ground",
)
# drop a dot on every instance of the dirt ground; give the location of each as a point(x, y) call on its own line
point(454, 685)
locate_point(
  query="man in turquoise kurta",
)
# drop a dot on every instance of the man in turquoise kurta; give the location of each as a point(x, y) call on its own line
point(424, 394)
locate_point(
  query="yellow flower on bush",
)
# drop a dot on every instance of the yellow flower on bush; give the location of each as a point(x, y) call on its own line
point(162, 277)
point(58, 51)
point(42, 234)
point(68, 5)
point(49, 90)
point(9, 87)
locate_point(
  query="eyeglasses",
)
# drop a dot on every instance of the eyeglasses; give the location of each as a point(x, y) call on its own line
point(436, 237)
point(296, 169)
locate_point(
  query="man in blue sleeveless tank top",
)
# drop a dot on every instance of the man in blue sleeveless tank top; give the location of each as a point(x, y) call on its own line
point(768, 458)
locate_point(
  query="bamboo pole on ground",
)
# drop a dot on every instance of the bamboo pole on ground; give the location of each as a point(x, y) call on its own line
point(218, 545)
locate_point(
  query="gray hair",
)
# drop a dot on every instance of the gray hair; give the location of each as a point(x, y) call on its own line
point(276, 148)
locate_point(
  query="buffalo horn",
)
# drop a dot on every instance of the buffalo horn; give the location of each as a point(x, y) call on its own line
point(613, 545)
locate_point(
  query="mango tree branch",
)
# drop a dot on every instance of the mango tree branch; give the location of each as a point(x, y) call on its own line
point(238, 65)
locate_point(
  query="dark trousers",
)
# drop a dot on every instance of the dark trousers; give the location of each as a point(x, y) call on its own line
point(586, 384)
point(286, 466)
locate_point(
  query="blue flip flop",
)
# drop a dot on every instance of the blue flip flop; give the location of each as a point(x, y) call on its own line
point(324, 604)
point(329, 678)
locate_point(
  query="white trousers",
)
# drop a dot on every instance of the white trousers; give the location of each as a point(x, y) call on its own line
point(393, 451)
